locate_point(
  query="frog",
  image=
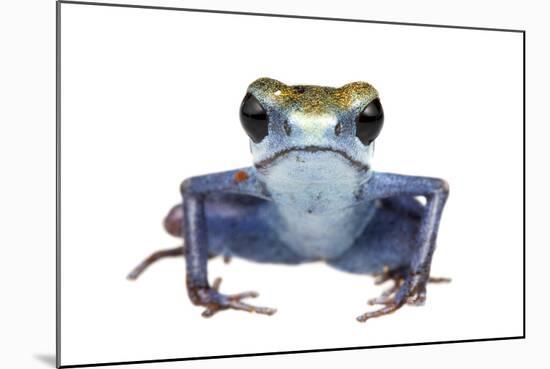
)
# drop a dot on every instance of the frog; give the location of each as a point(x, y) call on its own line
point(311, 195)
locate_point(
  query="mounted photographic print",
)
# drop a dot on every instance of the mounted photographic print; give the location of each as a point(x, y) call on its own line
point(354, 183)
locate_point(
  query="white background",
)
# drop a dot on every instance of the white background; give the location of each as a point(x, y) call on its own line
point(151, 97)
point(28, 271)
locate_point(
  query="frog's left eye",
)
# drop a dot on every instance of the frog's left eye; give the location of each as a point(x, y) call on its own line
point(369, 122)
point(253, 118)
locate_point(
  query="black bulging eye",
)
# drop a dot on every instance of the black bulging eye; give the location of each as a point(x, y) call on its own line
point(369, 122)
point(253, 118)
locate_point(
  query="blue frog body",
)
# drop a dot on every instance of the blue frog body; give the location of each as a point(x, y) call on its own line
point(311, 195)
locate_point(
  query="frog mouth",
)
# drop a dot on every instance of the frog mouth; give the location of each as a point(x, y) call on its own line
point(263, 164)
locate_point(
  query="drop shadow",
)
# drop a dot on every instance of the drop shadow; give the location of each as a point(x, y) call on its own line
point(48, 359)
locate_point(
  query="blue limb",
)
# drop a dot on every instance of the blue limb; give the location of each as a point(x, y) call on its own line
point(172, 224)
point(195, 191)
point(154, 257)
point(386, 186)
point(237, 224)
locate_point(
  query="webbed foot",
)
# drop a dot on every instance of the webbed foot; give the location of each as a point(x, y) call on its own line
point(407, 288)
point(214, 301)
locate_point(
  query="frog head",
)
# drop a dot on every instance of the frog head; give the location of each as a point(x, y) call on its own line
point(324, 128)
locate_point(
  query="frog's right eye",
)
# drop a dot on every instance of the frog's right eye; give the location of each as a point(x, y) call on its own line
point(253, 118)
point(369, 122)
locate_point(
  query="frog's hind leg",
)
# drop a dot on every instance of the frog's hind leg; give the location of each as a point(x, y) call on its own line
point(385, 249)
point(173, 225)
point(154, 257)
point(237, 224)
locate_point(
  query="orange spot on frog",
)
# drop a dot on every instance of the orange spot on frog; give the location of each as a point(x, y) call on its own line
point(240, 176)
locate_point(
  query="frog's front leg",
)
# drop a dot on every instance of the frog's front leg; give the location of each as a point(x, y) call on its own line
point(194, 192)
point(412, 288)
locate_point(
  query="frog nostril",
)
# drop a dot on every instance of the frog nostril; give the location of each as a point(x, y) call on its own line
point(299, 89)
point(338, 129)
point(287, 128)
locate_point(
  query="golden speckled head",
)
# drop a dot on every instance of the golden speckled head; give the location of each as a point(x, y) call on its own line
point(280, 119)
point(312, 99)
